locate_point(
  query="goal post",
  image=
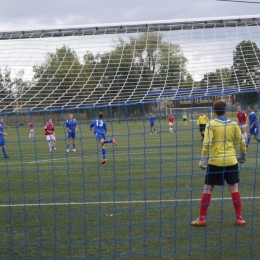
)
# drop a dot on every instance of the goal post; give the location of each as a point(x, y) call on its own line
point(193, 112)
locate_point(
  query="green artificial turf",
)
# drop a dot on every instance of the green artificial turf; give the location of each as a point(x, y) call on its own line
point(138, 205)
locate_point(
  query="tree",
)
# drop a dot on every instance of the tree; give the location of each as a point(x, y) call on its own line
point(142, 63)
point(246, 64)
point(132, 66)
point(58, 78)
point(246, 69)
point(12, 88)
point(6, 84)
point(218, 78)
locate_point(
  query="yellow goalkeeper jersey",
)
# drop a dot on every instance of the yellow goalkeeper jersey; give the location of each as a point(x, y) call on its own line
point(202, 120)
point(220, 140)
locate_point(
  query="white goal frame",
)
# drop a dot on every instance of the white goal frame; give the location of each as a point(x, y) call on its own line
point(193, 112)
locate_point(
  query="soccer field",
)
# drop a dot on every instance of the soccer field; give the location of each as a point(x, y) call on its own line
point(138, 205)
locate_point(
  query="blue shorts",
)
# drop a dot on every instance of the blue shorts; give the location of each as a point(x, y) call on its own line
point(2, 141)
point(253, 131)
point(71, 135)
point(152, 124)
point(99, 136)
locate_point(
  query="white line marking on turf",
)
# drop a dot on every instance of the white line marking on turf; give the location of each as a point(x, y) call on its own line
point(115, 202)
point(85, 159)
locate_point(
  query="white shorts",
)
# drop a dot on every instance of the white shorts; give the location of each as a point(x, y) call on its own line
point(170, 124)
point(50, 138)
point(31, 130)
point(243, 125)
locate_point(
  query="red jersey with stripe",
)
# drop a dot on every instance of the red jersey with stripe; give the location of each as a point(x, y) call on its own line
point(31, 125)
point(49, 129)
point(241, 117)
point(171, 119)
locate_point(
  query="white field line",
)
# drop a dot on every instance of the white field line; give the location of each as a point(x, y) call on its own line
point(79, 158)
point(179, 147)
point(124, 144)
point(115, 202)
point(40, 161)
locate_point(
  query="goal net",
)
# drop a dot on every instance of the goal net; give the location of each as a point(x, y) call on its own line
point(59, 200)
point(192, 112)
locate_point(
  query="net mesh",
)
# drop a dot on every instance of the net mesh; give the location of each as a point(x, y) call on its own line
point(139, 204)
point(80, 67)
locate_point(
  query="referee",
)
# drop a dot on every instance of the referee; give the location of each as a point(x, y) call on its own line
point(202, 121)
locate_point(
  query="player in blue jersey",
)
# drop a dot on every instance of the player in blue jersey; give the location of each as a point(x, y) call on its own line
point(100, 130)
point(2, 137)
point(152, 123)
point(253, 126)
point(71, 126)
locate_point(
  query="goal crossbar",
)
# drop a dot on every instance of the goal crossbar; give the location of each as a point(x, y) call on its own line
point(118, 28)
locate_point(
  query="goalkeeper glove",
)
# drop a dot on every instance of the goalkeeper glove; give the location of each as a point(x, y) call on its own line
point(202, 163)
point(242, 158)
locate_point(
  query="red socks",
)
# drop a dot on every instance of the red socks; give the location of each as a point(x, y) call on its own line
point(205, 201)
point(204, 204)
point(237, 204)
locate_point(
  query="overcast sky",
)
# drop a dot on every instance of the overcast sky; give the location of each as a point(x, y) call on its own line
point(35, 13)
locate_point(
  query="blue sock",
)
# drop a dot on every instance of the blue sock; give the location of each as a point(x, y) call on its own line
point(154, 130)
point(247, 142)
point(104, 153)
point(108, 141)
point(4, 151)
point(73, 146)
point(68, 146)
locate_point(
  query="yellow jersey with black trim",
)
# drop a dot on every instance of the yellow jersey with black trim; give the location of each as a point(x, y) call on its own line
point(220, 140)
point(202, 120)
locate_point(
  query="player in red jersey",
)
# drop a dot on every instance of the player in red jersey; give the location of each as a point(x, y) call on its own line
point(31, 127)
point(171, 120)
point(242, 121)
point(50, 135)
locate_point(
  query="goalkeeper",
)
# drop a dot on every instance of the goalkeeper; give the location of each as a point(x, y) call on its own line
point(221, 135)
